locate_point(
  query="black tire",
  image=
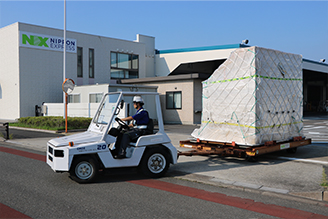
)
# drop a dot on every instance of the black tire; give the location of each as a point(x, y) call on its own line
point(155, 162)
point(84, 170)
point(291, 150)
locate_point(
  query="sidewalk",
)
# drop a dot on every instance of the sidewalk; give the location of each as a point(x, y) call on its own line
point(272, 173)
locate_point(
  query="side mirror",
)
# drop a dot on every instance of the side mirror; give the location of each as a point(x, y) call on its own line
point(122, 104)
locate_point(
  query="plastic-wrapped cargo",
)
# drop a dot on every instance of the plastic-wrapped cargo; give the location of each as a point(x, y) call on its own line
point(255, 96)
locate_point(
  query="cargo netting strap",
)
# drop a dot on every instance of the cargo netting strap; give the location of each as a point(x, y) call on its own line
point(252, 76)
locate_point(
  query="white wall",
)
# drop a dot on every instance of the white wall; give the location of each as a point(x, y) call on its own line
point(149, 54)
point(198, 105)
point(9, 73)
point(86, 109)
point(73, 109)
point(185, 115)
point(85, 90)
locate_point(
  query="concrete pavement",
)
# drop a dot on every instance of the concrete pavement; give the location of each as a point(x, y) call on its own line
point(299, 174)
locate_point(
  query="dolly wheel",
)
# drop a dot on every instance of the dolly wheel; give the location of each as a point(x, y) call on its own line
point(84, 170)
point(291, 150)
point(252, 159)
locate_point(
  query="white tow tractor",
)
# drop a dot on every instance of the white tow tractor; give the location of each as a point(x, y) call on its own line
point(84, 154)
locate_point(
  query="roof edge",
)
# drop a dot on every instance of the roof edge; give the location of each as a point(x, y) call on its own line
point(204, 48)
point(166, 78)
point(315, 62)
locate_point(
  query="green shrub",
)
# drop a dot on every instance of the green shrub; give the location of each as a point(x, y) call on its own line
point(53, 122)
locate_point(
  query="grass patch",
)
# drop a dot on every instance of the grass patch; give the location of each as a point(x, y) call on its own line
point(11, 136)
point(55, 123)
point(324, 179)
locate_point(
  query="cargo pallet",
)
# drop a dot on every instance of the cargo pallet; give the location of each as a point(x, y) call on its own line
point(251, 153)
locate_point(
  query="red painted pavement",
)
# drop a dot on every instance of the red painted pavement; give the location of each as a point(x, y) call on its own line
point(7, 212)
point(247, 204)
point(24, 154)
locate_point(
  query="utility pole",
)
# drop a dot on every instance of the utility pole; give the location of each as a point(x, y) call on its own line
point(64, 63)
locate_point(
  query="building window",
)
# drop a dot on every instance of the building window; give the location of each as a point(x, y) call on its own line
point(91, 63)
point(73, 98)
point(135, 61)
point(174, 100)
point(124, 65)
point(95, 98)
point(79, 62)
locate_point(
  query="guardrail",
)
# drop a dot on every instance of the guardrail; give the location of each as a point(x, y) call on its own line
point(6, 127)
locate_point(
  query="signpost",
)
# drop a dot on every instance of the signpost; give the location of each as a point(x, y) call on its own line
point(68, 87)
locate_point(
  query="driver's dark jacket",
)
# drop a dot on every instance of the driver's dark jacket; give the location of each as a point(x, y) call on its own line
point(141, 117)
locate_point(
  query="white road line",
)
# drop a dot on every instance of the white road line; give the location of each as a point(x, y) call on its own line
point(303, 160)
point(316, 127)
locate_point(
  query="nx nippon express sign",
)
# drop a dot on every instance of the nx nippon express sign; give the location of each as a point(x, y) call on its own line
point(39, 41)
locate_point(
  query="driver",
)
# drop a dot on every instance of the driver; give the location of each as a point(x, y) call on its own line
point(139, 126)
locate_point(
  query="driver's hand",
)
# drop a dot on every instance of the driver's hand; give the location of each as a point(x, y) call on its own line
point(127, 118)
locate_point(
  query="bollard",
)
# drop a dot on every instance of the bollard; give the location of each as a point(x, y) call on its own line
point(7, 130)
point(6, 125)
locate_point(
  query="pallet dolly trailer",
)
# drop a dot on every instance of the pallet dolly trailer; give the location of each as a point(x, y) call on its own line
point(251, 153)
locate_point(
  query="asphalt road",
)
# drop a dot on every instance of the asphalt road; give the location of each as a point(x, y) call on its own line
point(30, 187)
point(276, 172)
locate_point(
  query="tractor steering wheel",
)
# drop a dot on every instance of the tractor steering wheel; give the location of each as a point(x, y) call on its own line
point(121, 123)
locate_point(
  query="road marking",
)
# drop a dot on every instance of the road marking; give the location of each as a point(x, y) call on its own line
point(247, 204)
point(303, 160)
point(8, 212)
point(316, 127)
point(314, 133)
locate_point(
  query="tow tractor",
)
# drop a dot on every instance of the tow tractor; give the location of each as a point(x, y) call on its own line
point(83, 155)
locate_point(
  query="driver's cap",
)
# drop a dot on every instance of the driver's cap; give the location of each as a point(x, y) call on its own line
point(138, 99)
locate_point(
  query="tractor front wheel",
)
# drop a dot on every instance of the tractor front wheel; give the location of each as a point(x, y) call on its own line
point(84, 170)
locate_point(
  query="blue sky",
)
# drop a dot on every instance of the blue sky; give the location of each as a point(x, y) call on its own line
point(292, 26)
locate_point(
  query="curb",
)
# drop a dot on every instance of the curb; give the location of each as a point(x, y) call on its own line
point(315, 197)
point(48, 131)
point(32, 129)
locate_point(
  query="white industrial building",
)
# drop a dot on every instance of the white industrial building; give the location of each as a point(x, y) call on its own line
point(31, 64)
point(31, 71)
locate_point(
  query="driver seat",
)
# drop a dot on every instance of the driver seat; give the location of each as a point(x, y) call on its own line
point(150, 127)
